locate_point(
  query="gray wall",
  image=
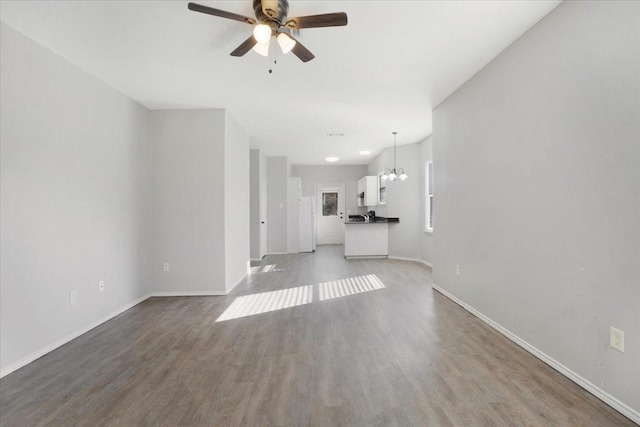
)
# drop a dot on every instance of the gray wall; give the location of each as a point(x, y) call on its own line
point(236, 201)
point(188, 200)
point(332, 174)
point(538, 191)
point(277, 172)
point(96, 187)
point(75, 191)
point(404, 199)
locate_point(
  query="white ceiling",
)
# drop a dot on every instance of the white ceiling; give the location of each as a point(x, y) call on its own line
point(385, 71)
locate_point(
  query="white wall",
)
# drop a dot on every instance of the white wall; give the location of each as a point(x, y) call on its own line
point(236, 201)
point(258, 166)
point(403, 200)
point(538, 191)
point(189, 200)
point(254, 203)
point(75, 191)
point(277, 173)
point(294, 189)
point(332, 174)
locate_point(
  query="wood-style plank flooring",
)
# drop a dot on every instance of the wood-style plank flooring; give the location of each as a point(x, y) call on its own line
point(350, 354)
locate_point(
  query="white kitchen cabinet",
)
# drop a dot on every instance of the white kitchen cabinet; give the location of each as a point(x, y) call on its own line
point(366, 240)
point(368, 191)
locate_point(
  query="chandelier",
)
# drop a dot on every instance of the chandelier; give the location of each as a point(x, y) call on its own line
point(393, 174)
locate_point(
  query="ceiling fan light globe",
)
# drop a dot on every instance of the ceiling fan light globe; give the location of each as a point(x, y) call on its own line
point(262, 33)
point(262, 48)
point(392, 176)
point(286, 43)
point(403, 176)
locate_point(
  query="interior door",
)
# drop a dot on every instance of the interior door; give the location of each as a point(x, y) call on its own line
point(263, 217)
point(330, 213)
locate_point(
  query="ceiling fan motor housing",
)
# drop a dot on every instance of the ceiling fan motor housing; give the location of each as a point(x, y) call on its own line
point(273, 10)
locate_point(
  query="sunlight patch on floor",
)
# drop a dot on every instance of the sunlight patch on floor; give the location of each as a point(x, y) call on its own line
point(349, 286)
point(264, 302)
point(262, 268)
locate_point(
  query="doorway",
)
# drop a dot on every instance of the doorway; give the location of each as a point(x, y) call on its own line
point(263, 217)
point(330, 213)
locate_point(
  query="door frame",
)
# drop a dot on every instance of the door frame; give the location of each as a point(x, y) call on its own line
point(342, 189)
point(262, 214)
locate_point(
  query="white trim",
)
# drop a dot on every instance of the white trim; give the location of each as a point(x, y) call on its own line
point(428, 231)
point(366, 257)
point(421, 261)
point(69, 337)
point(278, 253)
point(428, 198)
point(616, 404)
point(188, 294)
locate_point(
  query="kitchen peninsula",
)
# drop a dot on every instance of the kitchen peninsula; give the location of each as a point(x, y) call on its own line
point(367, 237)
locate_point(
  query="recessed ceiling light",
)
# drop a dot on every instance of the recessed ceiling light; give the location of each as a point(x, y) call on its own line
point(332, 159)
point(365, 153)
point(336, 134)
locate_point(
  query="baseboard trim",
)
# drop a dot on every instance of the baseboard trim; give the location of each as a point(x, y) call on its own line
point(278, 253)
point(188, 294)
point(616, 404)
point(421, 261)
point(69, 337)
point(366, 256)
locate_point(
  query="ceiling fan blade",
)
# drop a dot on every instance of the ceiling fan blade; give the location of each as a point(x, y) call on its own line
point(221, 13)
point(245, 47)
point(338, 19)
point(302, 52)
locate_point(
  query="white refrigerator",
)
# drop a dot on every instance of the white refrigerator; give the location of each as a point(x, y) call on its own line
point(307, 224)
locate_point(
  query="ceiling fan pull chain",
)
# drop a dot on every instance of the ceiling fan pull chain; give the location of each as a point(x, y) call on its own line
point(275, 59)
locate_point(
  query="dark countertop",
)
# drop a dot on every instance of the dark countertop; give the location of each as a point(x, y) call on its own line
point(377, 220)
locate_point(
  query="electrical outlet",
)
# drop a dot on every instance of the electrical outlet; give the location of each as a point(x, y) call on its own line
point(73, 297)
point(101, 285)
point(616, 339)
point(457, 270)
point(166, 266)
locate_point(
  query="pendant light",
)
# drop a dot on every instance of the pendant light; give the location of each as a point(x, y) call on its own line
point(393, 174)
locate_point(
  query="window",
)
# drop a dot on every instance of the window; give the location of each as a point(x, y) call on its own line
point(428, 196)
point(329, 204)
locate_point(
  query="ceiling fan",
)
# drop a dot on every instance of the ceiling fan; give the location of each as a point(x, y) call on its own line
point(272, 20)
